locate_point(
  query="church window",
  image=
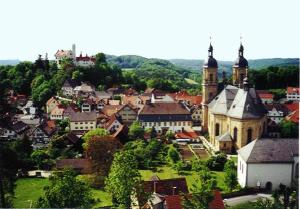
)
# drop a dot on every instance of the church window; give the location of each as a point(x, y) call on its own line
point(217, 129)
point(211, 77)
point(210, 95)
point(297, 171)
point(235, 132)
point(224, 145)
point(249, 135)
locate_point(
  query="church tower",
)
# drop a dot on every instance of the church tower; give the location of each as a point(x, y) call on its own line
point(209, 85)
point(240, 68)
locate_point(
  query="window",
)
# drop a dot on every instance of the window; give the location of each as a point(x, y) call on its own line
point(211, 77)
point(165, 123)
point(235, 132)
point(242, 168)
point(217, 129)
point(92, 127)
point(224, 145)
point(210, 95)
point(179, 123)
point(86, 122)
point(297, 171)
point(183, 123)
point(175, 123)
point(76, 127)
point(249, 135)
point(86, 127)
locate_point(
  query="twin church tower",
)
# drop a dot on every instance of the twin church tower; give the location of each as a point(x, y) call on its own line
point(210, 79)
point(234, 115)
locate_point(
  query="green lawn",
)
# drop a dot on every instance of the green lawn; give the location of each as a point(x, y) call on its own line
point(30, 189)
point(191, 176)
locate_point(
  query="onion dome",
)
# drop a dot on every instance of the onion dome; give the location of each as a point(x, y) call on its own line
point(210, 62)
point(241, 62)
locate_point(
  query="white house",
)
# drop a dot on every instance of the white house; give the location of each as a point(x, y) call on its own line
point(83, 121)
point(292, 93)
point(85, 61)
point(165, 116)
point(268, 163)
point(276, 112)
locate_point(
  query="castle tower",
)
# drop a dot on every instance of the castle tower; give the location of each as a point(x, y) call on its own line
point(240, 68)
point(74, 52)
point(209, 85)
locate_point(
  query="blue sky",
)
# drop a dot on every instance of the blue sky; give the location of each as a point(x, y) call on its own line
point(150, 28)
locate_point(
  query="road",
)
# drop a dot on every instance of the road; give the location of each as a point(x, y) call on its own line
point(241, 199)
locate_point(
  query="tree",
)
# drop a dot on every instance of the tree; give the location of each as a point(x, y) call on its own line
point(173, 155)
point(124, 179)
point(41, 159)
point(100, 149)
point(9, 166)
point(66, 191)
point(288, 129)
point(230, 175)
point(202, 192)
point(92, 133)
point(23, 149)
point(136, 131)
point(170, 135)
point(217, 162)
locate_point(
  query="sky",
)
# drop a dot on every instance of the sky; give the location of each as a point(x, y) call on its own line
point(151, 28)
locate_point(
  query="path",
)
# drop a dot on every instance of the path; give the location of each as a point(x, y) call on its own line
point(242, 199)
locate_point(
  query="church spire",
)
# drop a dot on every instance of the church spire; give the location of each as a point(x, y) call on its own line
point(210, 49)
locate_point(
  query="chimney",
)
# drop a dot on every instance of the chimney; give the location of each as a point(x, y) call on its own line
point(174, 190)
point(154, 187)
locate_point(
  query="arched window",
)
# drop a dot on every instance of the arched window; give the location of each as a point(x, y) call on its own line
point(249, 135)
point(211, 77)
point(217, 129)
point(297, 171)
point(210, 95)
point(235, 132)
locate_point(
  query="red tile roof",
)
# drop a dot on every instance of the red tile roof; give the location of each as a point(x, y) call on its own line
point(166, 186)
point(294, 116)
point(164, 109)
point(85, 58)
point(292, 106)
point(266, 96)
point(291, 90)
point(174, 201)
point(186, 135)
point(184, 96)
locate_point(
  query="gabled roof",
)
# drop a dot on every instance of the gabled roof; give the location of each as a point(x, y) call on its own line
point(291, 90)
point(166, 186)
point(79, 164)
point(294, 116)
point(280, 150)
point(226, 137)
point(83, 116)
point(52, 99)
point(164, 109)
point(238, 103)
point(292, 106)
point(70, 83)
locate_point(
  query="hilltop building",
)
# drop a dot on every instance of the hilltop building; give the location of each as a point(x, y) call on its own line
point(236, 115)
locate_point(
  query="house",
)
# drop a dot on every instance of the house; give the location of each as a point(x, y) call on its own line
point(83, 166)
point(85, 61)
point(57, 113)
point(7, 134)
point(137, 101)
point(276, 112)
point(267, 163)
point(292, 93)
point(60, 55)
point(29, 109)
point(196, 112)
point(113, 123)
point(103, 95)
point(68, 87)
point(273, 129)
point(84, 90)
point(183, 96)
point(127, 113)
point(165, 116)
point(161, 98)
point(51, 104)
point(266, 98)
point(86, 105)
point(71, 109)
point(83, 121)
point(41, 134)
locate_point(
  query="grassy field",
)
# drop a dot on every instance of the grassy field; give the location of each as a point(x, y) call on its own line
point(191, 176)
point(190, 81)
point(28, 190)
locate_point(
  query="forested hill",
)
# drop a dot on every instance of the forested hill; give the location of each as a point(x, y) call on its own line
point(227, 65)
point(134, 61)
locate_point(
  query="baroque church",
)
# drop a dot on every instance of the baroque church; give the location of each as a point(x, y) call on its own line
point(234, 116)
